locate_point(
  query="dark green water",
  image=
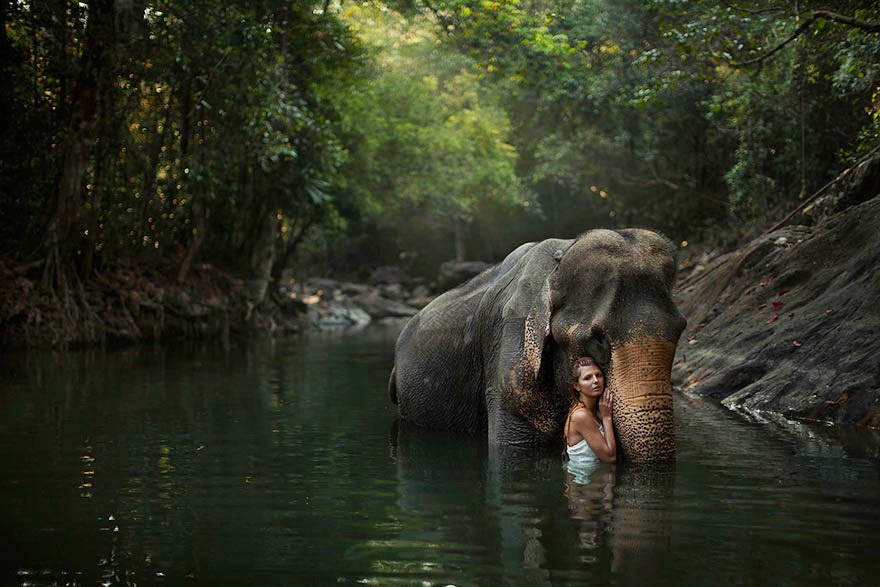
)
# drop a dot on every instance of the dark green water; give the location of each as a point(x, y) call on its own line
point(282, 464)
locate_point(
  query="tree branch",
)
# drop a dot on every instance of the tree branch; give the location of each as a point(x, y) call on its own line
point(870, 27)
point(822, 190)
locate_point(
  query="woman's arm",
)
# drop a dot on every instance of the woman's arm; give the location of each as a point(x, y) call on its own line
point(605, 411)
point(585, 424)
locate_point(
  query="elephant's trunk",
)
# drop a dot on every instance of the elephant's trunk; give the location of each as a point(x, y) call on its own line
point(640, 382)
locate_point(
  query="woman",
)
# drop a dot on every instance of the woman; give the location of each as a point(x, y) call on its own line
point(589, 429)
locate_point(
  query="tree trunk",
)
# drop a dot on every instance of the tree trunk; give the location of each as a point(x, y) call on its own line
point(197, 237)
point(287, 250)
point(458, 227)
point(96, 65)
point(262, 257)
point(199, 204)
point(186, 115)
point(92, 219)
point(150, 178)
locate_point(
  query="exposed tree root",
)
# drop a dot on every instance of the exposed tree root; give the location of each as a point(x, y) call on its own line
point(122, 303)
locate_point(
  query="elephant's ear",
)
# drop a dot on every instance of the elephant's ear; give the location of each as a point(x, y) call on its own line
point(525, 330)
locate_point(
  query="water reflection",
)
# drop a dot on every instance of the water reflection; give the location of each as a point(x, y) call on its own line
point(524, 520)
point(522, 484)
point(590, 495)
point(279, 464)
point(444, 534)
point(642, 522)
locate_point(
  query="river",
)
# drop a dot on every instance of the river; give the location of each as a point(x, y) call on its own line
point(283, 463)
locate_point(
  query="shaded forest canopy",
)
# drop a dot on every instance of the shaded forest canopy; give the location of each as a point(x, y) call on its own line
point(270, 136)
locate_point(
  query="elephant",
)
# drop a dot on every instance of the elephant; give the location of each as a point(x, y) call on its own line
point(494, 355)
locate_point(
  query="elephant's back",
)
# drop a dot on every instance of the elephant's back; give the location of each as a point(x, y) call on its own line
point(441, 354)
point(437, 370)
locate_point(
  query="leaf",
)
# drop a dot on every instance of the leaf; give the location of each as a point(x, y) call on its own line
point(315, 190)
point(773, 318)
point(791, 316)
point(777, 306)
point(765, 282)
point(829, 310)
point(797, 343)
point(783, 291)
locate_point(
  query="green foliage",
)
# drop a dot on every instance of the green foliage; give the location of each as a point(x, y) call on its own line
point(37, 64)
point(213, 110)
point(684, 114)
point(237, 132)
point(428, 144)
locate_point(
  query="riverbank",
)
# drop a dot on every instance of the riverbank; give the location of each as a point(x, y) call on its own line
point(788, 322)
point(126, 303)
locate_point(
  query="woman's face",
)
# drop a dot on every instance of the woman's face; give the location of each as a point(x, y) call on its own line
point(590, 381)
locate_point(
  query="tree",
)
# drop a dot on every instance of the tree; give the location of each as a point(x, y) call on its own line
point(651, 103)
point(425, 149)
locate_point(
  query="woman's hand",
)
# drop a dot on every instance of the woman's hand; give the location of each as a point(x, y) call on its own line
point(605, 407)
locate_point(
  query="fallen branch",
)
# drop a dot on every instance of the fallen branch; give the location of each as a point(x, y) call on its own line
point(823, 189)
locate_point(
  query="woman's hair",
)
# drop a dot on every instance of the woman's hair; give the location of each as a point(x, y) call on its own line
point(584, 361)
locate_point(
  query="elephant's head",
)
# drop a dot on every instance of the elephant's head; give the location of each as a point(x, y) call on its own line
point(610, 298)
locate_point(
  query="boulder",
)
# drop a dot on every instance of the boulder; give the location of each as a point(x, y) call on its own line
point(354, 289)
point(322, 286)
point(388, 274)
point(379, 307)
point(454, 273)
point(338, 316)
point(421, 297)
point(857, 184)
point(788, 323)
point(393, 291)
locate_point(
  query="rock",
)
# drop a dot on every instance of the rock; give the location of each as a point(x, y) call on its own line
point(379, 307)
point(788, 324)
point(421, 291)
point(421, 297)
point(857, 184)
point(454, 273)
point(388, 274)
point(354, 289)
point(393, 291)
point(335, 316)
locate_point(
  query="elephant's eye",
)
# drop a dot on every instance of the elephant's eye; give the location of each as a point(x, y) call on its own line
point(598, 336)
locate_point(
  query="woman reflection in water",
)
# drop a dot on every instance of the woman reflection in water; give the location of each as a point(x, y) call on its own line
point(589, 429)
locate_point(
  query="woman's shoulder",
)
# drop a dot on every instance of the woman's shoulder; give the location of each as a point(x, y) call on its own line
point(580, 416)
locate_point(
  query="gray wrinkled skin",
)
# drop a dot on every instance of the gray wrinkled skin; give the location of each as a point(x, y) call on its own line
point(495, 353)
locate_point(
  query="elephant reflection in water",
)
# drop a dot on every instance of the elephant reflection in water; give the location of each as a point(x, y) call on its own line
point(625, 509)
point(521, 514)
point(487, 509)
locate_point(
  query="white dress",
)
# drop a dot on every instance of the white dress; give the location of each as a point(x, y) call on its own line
point(581, 453)
point(582, 460)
